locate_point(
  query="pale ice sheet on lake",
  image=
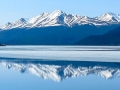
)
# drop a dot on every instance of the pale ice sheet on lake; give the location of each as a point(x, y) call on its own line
point(70, 53)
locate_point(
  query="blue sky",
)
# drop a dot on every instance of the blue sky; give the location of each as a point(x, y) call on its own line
point(12, 10)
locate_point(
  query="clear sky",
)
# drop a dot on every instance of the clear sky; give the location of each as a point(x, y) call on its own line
point(12, 10)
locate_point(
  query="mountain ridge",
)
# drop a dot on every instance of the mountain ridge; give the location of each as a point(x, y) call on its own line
point(60, 18)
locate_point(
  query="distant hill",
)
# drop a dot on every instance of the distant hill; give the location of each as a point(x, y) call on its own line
point(112, 37)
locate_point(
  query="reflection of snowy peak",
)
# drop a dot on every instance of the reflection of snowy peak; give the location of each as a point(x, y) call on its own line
point(60, 72)
point(60, 18)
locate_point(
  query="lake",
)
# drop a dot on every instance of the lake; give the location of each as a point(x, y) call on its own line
point(60, 67)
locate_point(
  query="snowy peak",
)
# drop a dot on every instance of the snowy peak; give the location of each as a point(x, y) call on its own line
point(110, 17)
point(6, 26)
point(18, 24)
point(47, 19)
point(37, 18)
point(58, 13)
point(21, 22)
point(60, 18)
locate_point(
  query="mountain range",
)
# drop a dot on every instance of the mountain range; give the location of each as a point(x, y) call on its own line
point(56, 28)
point(59, 70)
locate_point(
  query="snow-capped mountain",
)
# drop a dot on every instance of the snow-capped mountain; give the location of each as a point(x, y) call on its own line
point(21, 23)
point(110, 18)
point(59, 72)
point(60, 18)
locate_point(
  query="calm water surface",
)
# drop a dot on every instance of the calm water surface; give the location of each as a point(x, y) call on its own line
point(59, 68)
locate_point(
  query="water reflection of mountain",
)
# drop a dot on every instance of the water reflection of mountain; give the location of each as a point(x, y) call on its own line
point(59, 70)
